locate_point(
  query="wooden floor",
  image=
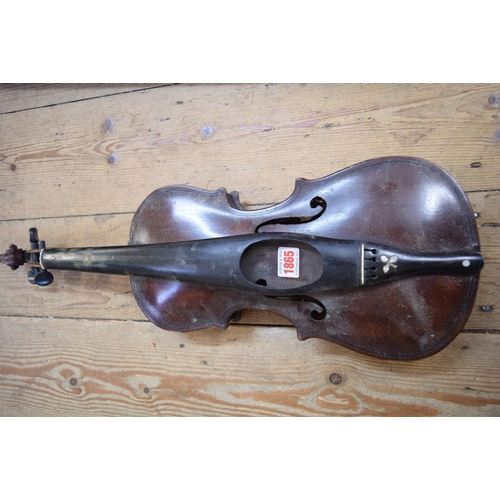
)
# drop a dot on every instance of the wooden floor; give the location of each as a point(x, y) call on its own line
point(77, 160)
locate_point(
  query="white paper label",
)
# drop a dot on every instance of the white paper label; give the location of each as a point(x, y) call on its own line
point(288, 262)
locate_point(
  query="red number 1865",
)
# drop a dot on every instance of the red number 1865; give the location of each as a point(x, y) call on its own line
point(288, 262)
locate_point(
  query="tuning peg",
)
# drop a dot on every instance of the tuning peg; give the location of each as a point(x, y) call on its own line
point(15, 257)
point(43, 278)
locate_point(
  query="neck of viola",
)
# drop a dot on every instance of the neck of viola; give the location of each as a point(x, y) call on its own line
point(252, 262)
point(246, 262)
point(155, 261)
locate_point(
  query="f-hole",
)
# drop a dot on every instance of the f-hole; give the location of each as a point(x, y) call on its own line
point(315, 314)
point(317, 201)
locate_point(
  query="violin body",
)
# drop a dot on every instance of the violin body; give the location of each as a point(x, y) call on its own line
point(388, 265)
point(407, 203)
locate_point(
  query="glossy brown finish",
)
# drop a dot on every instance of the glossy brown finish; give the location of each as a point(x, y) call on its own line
point(408, 203)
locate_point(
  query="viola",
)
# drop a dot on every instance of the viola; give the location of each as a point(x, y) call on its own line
point(382, 257)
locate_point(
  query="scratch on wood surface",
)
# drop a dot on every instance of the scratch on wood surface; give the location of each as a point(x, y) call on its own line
point(242, 131)
point(412, 137)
